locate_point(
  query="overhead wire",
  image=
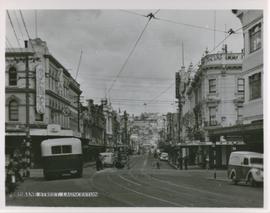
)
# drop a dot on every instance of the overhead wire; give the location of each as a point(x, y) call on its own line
point(176, 22)
point(188, 25)
point(134, 13)
point(78, 67)
point(195, 66)
point(14, 31)
point(25, 27)
point(129, 55)
point(19, 25)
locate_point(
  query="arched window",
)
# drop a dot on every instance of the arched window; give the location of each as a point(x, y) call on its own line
point(12, 76)
point(13, 111)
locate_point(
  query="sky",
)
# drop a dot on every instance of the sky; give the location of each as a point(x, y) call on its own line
point(106, 38)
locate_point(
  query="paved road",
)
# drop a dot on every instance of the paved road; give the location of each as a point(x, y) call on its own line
point(141, 186)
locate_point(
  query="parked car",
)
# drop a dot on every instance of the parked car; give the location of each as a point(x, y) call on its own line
point(246, 166)
point(108, 159)
point(164, 156)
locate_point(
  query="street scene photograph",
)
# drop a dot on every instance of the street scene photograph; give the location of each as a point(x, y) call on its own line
point(134, 108)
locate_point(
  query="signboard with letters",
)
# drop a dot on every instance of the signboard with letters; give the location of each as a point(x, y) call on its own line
point(40, 89)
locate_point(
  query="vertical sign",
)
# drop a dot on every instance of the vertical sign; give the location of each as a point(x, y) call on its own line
point(40, 89)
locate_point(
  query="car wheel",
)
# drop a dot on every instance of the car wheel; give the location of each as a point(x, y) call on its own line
point(251, 180)
point(233, 178)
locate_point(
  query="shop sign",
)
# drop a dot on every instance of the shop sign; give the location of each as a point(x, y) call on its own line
point(40, 89)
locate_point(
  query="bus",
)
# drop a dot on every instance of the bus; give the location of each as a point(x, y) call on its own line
point(62, 156)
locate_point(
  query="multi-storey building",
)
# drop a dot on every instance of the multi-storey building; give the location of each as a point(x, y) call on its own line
point(252, 23)
point(213, 98)
point(93, 129)
point(42, 98)
point(108, 114)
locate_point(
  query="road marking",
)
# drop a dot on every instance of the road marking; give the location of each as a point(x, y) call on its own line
point(145, 195)
point(130, 181)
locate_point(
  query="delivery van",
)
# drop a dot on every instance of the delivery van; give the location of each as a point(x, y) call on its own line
point(245, 166)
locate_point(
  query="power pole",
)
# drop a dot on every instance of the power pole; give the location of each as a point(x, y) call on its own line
point(125, 127)
point(178, 97)
point(27, 152)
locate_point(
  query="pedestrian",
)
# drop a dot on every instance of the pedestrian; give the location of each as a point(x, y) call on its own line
point(157, 164)
point(97, 162)
point(10, 177)
point(180, 162)
point(100, 157)
point(17, 168)
point(207, 163)
point(155, 155)
point(186, 162)
point(128, 162)
point(24, 166)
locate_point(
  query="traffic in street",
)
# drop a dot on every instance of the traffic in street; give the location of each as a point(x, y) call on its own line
point(143, 185)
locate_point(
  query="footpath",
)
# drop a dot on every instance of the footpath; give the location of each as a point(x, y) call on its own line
point(209, 174)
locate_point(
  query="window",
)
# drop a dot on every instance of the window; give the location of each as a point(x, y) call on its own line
point(61, 149)
point(255, 86)
point(240, 85)
point(66, 149)
point(212, 116)
point(255, 38)
point(13, 111)
point(56, 149)
point(212, 86)
point(256, 160)
point(245, 162)
point(12, 76)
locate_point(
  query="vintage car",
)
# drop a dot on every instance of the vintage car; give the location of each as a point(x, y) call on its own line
point(164, 156)
point(107, 159)
point(245, 166)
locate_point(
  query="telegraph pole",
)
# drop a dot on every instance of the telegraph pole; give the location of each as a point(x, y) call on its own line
point(27, 152)
point(178, 97)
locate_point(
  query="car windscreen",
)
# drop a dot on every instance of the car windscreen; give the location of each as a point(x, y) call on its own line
point(256, 160)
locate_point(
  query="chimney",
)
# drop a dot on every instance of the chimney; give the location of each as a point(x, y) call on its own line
point(26, 44)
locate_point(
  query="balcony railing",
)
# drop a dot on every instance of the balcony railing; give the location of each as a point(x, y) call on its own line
point(222, 58)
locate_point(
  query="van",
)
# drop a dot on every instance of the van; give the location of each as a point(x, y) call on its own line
point(245, 166)
point(62, 156)
point(108, 159)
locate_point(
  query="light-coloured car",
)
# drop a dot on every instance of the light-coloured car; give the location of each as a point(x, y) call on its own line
point(107, 159)
point(246, 166)
point(164, 156)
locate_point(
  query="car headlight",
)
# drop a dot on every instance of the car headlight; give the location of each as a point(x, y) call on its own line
point(259, 172)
